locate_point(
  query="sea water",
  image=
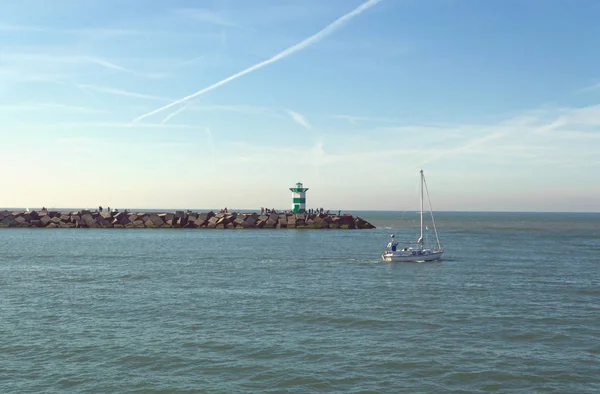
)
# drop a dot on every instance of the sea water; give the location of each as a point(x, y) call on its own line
point(513, 307)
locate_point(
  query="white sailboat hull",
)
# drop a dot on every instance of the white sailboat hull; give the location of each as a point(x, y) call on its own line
point(412, 256)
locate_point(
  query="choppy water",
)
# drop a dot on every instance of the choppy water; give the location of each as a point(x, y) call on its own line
point(514, 307)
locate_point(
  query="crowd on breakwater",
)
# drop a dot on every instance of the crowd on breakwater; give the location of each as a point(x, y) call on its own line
point(178, 219)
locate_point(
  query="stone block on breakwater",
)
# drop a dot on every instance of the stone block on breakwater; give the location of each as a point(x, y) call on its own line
point(179, 219)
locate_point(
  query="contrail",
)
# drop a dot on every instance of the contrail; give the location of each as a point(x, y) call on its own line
point(285, 53)
point(168, 117)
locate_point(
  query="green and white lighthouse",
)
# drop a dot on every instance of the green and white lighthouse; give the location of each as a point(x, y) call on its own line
point(298, 198)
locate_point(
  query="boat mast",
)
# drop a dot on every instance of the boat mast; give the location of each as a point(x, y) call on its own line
point(421, 238)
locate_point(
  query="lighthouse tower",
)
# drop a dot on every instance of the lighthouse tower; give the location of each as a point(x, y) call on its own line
point(298, 198)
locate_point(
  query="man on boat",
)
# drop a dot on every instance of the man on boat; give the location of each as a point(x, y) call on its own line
point(393, 244)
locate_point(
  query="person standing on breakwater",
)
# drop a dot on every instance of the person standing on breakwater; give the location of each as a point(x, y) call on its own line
point(100, 208)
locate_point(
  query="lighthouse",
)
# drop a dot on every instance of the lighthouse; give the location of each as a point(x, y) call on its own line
point(298, 198)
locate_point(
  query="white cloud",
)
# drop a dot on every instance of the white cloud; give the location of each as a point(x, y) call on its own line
point(52, 106)
point(61, 60)
point(359, 119)
point(121, 92)
point(20, 28)
point(589, 88)
point(204, 16)
point(300, 119)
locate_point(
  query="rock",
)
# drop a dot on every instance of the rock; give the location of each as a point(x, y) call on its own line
point(199, 221)
point(250, 221)
point(156, 220)
point(322, 224)
point(124, 219)
point(45, 220)
point(87, 219)
point(346, 219)
point(182, 221)
point(204, 216)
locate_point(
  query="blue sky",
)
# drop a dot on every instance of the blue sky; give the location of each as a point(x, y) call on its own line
point(498, 101)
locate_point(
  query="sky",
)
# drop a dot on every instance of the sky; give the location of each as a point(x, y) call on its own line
point(198, 104)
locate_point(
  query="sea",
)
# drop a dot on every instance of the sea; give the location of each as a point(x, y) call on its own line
point(513, 307)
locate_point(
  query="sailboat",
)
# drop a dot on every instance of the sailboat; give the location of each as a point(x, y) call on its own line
point(414, 251)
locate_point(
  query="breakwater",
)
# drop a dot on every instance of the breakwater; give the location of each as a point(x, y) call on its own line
point(178, 219)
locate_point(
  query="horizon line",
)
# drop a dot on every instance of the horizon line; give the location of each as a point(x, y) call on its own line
point(141, 209)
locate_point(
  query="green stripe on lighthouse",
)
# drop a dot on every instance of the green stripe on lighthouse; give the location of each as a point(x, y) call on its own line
point(298, 198)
